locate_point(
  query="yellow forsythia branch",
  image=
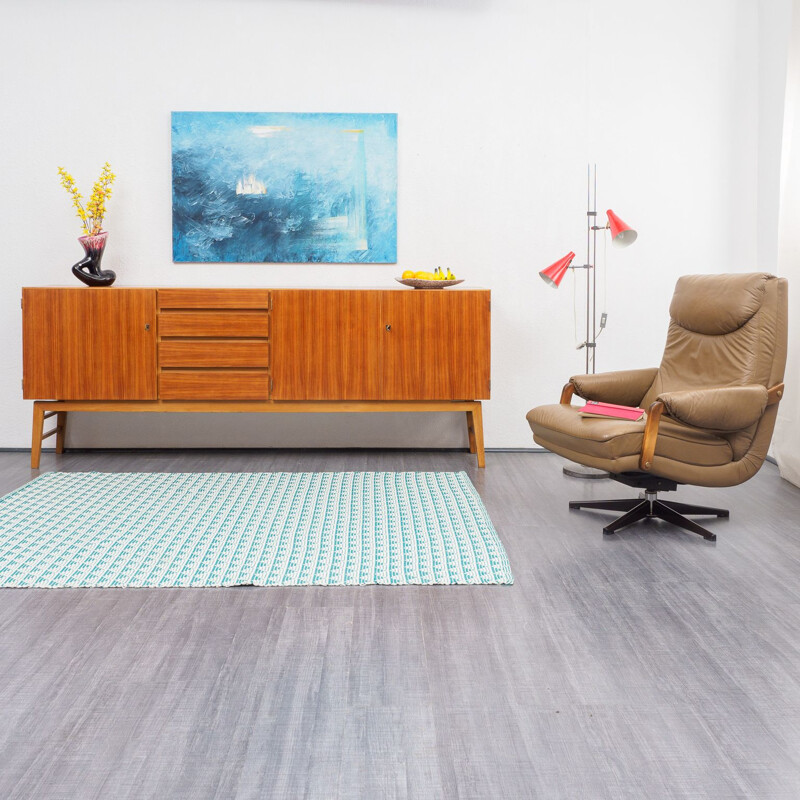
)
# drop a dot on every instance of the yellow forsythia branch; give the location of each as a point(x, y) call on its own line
point(92, 215)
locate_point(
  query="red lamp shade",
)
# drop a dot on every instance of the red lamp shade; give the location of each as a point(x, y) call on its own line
point(621, 233)
point(554, 274)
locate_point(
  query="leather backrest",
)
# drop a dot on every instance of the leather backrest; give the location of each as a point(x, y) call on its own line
point(725, 330)
point(717, 304)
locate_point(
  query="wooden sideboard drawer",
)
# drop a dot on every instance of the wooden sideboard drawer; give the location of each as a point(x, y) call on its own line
point(212, 324)
point(209, 384)
point(213, 353)
point(213, 298)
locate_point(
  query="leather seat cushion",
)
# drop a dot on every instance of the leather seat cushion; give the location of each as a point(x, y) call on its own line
point(561, 426)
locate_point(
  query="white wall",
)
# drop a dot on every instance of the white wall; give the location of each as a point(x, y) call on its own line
point(786, 442)
point(775, 18)
point(501, 105)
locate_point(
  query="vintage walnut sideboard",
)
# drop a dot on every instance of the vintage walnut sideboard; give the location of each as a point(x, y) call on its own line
point(254, 350)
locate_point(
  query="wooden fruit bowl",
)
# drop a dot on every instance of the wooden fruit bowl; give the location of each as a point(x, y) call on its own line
point(419, 283)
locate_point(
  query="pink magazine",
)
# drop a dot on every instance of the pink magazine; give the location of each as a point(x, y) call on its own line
point(611, 411)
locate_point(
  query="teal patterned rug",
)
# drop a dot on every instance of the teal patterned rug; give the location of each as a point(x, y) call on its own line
point(265, 529)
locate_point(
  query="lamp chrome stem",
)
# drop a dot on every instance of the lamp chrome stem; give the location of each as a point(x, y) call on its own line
point(589, 219)
point(590, 350)
point(590, 266)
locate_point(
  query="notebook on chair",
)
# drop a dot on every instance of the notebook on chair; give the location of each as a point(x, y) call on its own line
point(611, 411)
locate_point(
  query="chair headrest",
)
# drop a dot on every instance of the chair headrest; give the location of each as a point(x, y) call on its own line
point(717, 304)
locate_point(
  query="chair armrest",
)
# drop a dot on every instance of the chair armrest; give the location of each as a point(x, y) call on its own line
point(623, 387)
point(770, 396)
point(726, 408)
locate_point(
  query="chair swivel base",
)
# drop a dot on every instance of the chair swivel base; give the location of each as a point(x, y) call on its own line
point(651, 507)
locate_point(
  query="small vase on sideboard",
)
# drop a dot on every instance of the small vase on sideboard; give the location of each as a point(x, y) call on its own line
point(88, 268)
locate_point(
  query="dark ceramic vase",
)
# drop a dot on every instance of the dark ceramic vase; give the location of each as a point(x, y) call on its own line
point(88, 268)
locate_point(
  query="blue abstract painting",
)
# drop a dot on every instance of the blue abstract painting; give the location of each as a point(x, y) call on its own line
point(285, 188)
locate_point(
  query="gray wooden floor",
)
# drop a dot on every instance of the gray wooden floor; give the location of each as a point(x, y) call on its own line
point(650, 664)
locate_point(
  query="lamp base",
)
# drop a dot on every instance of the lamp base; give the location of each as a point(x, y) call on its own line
point(574, 470)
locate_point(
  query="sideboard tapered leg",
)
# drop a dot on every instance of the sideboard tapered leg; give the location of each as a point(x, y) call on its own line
point(36, 438)
point(61, 427)
point(471, 432)
point(477, 417)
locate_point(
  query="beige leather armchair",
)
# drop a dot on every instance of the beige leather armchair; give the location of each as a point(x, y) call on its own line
point(711, 405)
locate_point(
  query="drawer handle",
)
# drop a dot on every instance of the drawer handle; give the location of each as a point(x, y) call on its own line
point(388, 327)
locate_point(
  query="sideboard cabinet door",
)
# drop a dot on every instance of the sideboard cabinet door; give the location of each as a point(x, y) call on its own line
point(326, 344)
point(436, 345)
point(380, 345)
point(89, 344)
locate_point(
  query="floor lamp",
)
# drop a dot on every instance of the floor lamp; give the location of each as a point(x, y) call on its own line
point(622, 235)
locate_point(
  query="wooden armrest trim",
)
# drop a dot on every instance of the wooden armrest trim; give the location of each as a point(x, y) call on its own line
point(566, 394)
point(650, 435)
point(774, 394)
